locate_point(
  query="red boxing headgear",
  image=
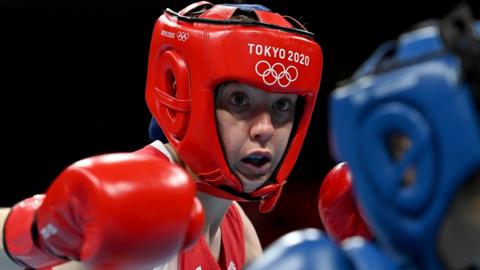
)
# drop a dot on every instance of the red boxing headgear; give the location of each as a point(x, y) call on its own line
point(200, 48)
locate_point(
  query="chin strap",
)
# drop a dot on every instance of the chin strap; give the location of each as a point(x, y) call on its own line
point(267, 195)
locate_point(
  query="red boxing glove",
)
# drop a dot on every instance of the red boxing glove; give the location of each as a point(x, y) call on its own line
point(116, 211)
point(338, 210)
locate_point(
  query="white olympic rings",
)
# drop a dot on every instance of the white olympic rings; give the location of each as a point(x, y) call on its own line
point(182, 36)
point(276, 73)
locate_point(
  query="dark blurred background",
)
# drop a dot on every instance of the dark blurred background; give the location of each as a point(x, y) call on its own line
point(73, 77)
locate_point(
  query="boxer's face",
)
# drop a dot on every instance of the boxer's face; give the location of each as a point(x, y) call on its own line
point(459, 236)
point(254, 127)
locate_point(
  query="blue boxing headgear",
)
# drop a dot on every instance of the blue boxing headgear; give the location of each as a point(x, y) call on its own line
point(422, 86)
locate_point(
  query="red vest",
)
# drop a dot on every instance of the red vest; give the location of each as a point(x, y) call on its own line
point(199, 257)
point(232, 252)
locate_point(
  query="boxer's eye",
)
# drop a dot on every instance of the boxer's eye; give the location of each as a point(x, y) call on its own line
point(239, 99)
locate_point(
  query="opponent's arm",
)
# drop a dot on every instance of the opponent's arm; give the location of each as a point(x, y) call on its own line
point(338, 208)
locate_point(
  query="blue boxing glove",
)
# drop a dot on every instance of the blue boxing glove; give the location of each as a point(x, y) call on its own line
point(312, 249)
point(302, 250)
point(367, 256)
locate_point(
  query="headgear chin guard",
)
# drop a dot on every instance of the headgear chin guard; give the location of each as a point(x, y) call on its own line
point(422, 88)
point(194, 51)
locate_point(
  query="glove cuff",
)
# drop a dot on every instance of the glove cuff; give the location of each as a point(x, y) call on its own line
point(20, 234)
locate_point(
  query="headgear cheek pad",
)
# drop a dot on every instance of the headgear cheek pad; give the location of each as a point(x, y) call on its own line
point(419, 92)
point(194, 51)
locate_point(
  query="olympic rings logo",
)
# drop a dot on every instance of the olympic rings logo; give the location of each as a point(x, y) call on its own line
point(276, 73)
point(182, 36)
